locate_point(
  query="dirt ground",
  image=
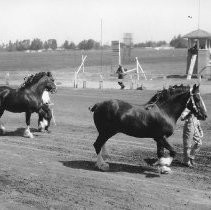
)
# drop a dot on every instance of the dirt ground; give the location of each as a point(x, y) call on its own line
point(57, 170)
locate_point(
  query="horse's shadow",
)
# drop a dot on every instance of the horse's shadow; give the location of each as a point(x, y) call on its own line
point(149, 172)
point(20, 132)
point(175, 163)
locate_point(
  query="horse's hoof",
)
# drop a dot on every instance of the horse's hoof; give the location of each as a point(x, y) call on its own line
point(103, 166)
point(28, 135)
point(164, 170)
point(164, 161)
point(2, 130)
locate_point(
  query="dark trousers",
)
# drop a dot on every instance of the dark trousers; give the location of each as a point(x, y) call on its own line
point(121, 85)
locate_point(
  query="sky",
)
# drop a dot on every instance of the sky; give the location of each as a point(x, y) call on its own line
point(76, 20)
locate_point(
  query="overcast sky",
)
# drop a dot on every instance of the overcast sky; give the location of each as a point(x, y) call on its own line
point(76, 20)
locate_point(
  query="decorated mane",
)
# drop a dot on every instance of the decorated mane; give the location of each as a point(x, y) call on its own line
point(163, 95)
point(33, 79)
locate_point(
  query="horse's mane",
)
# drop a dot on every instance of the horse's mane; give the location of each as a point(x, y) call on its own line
point(165, 94)
point(33, 79)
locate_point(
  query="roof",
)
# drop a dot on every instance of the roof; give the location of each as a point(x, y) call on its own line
point(198, 34)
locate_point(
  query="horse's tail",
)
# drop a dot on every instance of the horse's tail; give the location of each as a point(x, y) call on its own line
point(93, 108)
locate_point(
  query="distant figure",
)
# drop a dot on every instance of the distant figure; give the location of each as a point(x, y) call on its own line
point(192, 131)
point(121, 72)
point(193, 50)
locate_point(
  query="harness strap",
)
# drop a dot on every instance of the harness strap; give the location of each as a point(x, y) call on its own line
point(192, 100)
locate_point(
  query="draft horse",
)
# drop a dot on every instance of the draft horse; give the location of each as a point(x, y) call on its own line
point(156, 119)
point(27, 98)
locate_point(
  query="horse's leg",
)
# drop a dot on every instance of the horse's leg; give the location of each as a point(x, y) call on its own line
point(27, 132)
point(104, 152)
point(2, 128)
point(99, 146)
point(164, 162)
point(160, 151)
point(171, 150)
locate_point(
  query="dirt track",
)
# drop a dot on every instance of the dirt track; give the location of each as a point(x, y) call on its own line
point(57, 170)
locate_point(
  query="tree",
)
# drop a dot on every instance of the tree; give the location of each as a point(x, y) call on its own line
point(11, 47)
point(178, 42)
point(22, 45)
point(45, 45)
point(69, 46)
point(52, 43)
point(66, 45)
point(82, 45)
point(72, 46)
point(88, 44)
point(36, 44)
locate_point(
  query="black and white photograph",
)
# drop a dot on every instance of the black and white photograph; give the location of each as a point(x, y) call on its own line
point(105, 104)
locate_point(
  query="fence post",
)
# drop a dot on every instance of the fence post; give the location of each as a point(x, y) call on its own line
point(7, 78)
point(101, 82)
point(75, 80)
point(84, 84)
point(131, 85)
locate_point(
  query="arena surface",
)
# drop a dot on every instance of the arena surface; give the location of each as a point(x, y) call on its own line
point(57, 170)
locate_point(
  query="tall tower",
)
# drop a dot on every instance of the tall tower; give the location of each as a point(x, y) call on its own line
point(128, 45)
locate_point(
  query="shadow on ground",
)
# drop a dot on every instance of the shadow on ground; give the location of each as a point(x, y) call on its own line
point(114, 167)
point(20, 132)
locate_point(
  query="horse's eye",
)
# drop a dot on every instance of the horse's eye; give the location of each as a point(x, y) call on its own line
point(197, 100)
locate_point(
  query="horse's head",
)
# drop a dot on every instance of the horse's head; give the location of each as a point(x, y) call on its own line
point(196, 104)
point(49, 82)
point(41, 80)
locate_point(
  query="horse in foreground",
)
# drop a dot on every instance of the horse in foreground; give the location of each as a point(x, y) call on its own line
point(27, 98)
point(156, 119)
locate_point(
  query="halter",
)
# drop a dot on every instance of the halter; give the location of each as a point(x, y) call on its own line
point(193, 102)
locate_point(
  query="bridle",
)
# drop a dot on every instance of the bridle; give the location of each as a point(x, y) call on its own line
point(194, 103)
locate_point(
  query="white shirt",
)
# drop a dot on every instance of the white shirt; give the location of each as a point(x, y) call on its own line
point(46, 97)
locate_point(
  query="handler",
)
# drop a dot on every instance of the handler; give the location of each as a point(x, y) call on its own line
point(191, 131)
point(121, 72)
point(45, 113)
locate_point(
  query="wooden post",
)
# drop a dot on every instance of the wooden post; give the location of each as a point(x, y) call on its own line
point(84, 84)
point(131, 82)
point(7, 78)
point(78, 70)
point(101, 82)
point(75, 80)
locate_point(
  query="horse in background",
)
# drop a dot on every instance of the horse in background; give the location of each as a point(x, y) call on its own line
point(156, 119)
point(27, 98)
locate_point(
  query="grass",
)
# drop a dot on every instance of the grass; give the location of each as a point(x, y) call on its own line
point(162, 61)
point(64, 63)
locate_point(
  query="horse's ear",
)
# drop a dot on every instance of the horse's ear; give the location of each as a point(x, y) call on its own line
point(195, 88)
point(49, 74)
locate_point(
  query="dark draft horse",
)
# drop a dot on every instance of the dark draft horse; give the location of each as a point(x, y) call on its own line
point(156, 119)
point(27, 98)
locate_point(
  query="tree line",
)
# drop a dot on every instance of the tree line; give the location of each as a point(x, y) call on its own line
point(51, 44)
point(176, 42)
